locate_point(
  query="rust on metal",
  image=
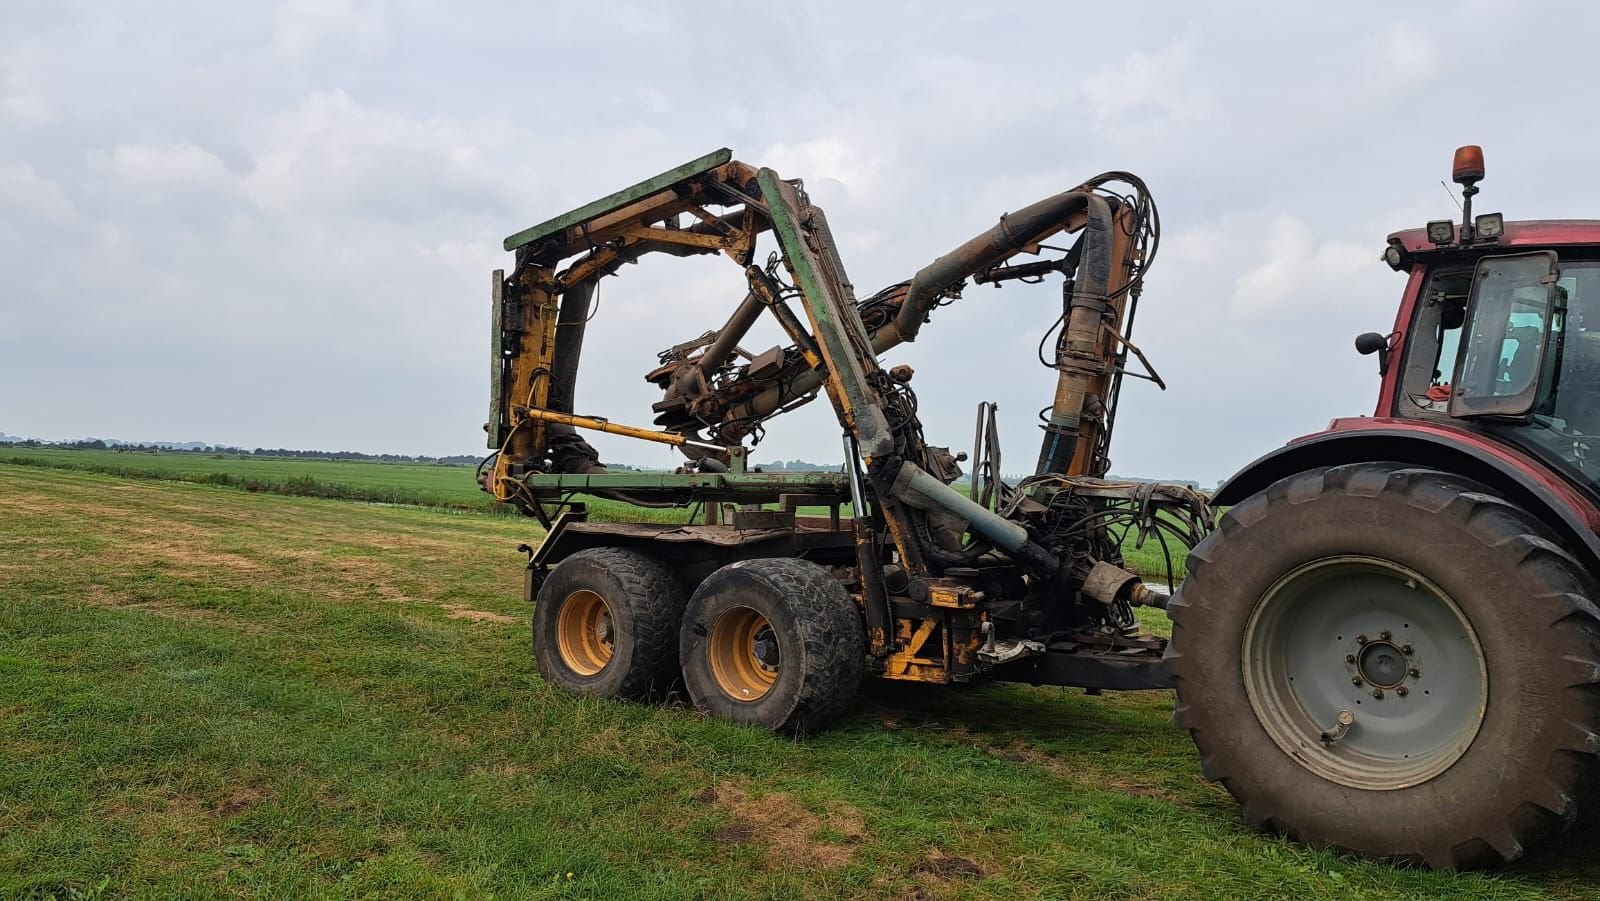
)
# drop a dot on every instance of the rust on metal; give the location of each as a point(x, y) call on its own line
point(950, 587)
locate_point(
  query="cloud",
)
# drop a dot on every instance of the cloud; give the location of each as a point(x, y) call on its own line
point(1151, 93)
point(333, 157)
point(26, 110)
point(182, 167)
point(1297, 269)
point(304, 27)
point(1401, 52)
point(274, 223)
point(850, 167)
point(31, 199)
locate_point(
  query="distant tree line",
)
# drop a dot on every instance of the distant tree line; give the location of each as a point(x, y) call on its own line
point(224, 450)
point(799, 466)
point(344, 455)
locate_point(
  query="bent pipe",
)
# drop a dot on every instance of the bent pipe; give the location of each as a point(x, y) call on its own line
point(729, 336)
point(571, 322)
point(1013, 232)
point(1080, 333)
point(916, 488)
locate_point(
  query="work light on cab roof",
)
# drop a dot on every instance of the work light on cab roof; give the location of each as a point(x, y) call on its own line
point(1466, 170)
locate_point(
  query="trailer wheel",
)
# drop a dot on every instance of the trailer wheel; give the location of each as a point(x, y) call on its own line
point(1393, 661)
point(774, 642)
point(605, 624)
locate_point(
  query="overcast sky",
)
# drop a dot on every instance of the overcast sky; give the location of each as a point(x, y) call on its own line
point(273, 224)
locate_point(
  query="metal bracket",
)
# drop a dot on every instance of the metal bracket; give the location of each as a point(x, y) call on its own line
point(996, 652)
point(1149, 371)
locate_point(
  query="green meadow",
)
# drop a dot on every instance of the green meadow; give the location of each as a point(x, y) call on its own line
point(212, 692)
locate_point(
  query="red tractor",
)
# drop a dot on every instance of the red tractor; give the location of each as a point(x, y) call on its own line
point(1391, 644)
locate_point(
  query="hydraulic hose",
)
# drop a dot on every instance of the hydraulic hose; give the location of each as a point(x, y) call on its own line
point(1017, 230)
point(571, 321)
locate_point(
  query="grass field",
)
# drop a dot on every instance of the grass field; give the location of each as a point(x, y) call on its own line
point(208, 691)
point(422, 484)
point(418, 484)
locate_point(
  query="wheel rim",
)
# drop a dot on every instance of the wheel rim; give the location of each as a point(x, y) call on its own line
point(744, 654)
point(585, 633)
point(1365, 672)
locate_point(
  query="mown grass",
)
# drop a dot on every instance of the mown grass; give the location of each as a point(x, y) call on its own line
point(210, 692)
point(417, 484)
point(421, 484)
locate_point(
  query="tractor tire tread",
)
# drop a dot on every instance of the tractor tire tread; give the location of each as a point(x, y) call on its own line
point(1548, 799)
point(829, 629)
point(656, 599)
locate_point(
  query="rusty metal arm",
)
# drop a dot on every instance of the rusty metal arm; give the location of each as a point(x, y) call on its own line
point(838, 349)
point(598, 424)
point(540, 315)
point(1078, 361)
point(1014, 233)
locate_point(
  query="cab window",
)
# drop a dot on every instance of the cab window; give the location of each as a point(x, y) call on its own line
point(1435, 338)
point(1498, 371)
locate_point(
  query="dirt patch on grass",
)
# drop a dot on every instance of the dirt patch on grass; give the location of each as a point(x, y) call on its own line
point(179, 547)
point(423, 547)
point(99, 596)
point(35, 503)
point(340, 577)
point(790, 834)
point(174, 816)
point(189, 557)
point(461, 611)
point(239, 801)
point(941, 868)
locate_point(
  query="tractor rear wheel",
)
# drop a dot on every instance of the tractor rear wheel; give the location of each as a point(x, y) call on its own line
point(605, 624)
point(774, 642)
point(1391, 660)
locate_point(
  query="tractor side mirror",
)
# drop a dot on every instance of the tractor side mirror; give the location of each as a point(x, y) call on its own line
point(1373, 343)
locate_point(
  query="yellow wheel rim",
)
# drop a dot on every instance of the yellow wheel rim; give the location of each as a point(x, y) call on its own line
point(584, 633)
point(744, 654)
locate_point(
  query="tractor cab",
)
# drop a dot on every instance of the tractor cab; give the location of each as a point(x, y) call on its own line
point(1392, 644)
point(1500, 331)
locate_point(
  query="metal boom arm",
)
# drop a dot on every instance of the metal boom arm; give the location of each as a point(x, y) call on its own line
point(716, 395)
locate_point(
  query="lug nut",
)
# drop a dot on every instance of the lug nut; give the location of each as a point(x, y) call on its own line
point(1385, 635)
point(1377, 693)
point(1405, 649)
point(1361, 639)
point(1402, 691)
point(1414, 671)
point(1355, 680)
point(1349, 658)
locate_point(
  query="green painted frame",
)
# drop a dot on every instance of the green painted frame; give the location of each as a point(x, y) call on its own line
point(613, 202)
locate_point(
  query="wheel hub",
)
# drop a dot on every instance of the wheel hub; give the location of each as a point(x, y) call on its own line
point(585, 634)
point(1383, 664)
point(744, 654)
point(765, 648)
point(1333, 661)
